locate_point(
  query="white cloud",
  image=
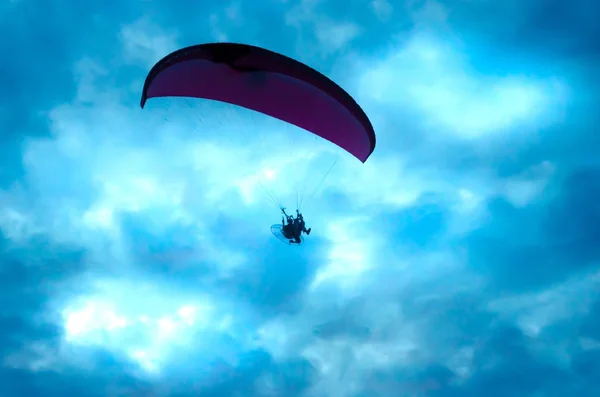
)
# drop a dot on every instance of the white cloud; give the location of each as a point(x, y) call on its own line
point(147, 329)
point(527, 188)
point(16, 220)
point(382, 8)
point(428, 14)
point(233, 12)
point(349, 257)
point(434, 80)
point(145, 42)
point(221, 23)
point(217, 32)
point(533, 311)
point(335, 36)
point(332, 35)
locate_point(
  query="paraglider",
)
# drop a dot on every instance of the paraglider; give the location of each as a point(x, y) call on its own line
point(293, 229)
point(287, 229)
point(270, 83)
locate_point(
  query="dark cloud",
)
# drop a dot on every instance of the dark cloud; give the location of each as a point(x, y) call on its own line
point(274, 277)
point(164, 250)
point(103, 374)
point(421, 226)
point(350, 322)
point(548, 29)
point(256, 372)
point(419, 381)
point(590, 327)
point(505, 362)
point(558, 237)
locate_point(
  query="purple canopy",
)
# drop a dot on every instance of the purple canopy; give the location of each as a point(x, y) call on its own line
point(266, 82)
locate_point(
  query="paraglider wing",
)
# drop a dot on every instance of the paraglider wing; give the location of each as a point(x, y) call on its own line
point(267, 82)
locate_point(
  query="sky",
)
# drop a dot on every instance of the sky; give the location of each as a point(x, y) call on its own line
point(459, 261)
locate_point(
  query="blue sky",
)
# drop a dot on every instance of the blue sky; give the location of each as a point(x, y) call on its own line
point(460, 260)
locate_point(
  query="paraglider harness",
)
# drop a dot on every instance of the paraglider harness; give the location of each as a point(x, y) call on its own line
point(294, 226)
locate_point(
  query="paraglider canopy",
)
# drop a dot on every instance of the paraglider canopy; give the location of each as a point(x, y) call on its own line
point(267, 82)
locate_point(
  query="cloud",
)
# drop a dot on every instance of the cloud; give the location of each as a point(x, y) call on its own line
point(330, 34)
point(382, 8)
point(144, 41)
point(566, 224)
point(432, 79)
point(460, 260)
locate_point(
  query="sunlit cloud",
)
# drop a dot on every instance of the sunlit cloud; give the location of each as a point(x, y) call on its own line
point(148, 330)
point(433, 79)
